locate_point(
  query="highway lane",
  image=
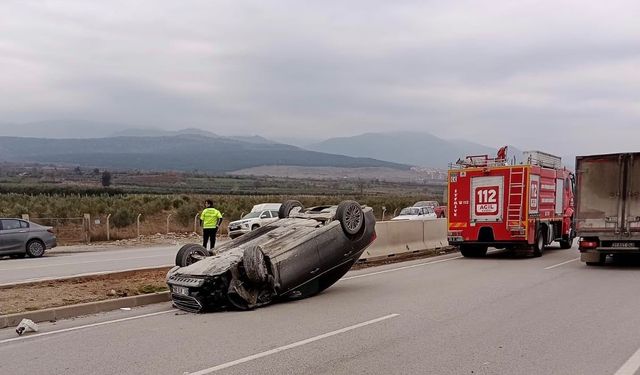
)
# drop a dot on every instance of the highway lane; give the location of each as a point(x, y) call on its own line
point(446, 315)
point(56, 264)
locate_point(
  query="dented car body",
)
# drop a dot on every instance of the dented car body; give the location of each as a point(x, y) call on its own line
point(301, 254)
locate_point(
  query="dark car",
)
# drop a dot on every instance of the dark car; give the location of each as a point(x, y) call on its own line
point(19, 238)
point(299, 255)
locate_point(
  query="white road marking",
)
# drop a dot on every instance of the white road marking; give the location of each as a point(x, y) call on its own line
point(631, 366)
point(84, 262)
point(400, 268)
point(561, 264)
point(85, 326)
point(290, 346)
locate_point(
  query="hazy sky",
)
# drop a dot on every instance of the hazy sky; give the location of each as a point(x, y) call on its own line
point(537, 74)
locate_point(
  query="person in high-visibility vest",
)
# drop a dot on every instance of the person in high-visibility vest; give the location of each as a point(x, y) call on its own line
point(210, 218)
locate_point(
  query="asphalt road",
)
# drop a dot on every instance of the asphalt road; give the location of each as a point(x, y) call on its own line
point(61, 265)
point(57, 263)
point(445, 315)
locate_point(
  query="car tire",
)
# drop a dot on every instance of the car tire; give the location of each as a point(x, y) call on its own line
point(538, 246)
point(185, 255)
point(351, 217)
point(286, 208)
point(35, 248)
point(254, 263)
point(255, 226)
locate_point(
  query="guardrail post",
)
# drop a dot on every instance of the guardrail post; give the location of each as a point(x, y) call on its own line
point(25, 217)
point(108, 228)
point(394, 212)
point(195, 224)
point(138, 224)
point(384, 209)
point(168, 218)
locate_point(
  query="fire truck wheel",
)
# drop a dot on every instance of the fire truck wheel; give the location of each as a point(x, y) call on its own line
point(567, 241)
point(468, 251)
point(538, 246)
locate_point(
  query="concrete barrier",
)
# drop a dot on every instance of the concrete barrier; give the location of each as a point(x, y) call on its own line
point(435, 234)
point(400, 237)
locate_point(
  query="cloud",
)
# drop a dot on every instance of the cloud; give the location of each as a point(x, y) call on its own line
point(559, 76)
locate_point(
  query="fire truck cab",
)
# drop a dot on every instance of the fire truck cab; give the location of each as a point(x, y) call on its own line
point(494, 203)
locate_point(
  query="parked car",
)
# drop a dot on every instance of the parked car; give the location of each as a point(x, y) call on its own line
point(19, 238)
point(416, 213)
point(260, 215)
point(303, 253)
point(440, 211)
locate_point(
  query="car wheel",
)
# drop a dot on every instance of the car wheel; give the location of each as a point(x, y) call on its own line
point(351, 217)
point(17, 256)
point(255, 226)
point(35, 248)
point(189, 254)
point(538, 246)
point(255, 266)
point(286, 208)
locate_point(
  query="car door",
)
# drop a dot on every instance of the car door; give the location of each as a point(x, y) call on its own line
point(13, 236)
point(333, 248)
point(298, 265)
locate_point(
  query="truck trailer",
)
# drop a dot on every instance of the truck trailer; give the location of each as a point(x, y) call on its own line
point(608, 205)
point(494, 203)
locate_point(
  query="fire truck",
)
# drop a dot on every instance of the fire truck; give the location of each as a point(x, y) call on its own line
point(495, 203)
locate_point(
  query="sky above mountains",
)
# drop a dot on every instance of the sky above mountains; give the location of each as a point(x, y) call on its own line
point(561, 76)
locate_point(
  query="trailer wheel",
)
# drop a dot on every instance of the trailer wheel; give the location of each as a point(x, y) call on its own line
point(538, 246)
point(469, 251)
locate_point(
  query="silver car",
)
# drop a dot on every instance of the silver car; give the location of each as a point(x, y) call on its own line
point(19, 238)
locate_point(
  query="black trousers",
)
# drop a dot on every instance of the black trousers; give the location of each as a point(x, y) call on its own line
point(209, 234)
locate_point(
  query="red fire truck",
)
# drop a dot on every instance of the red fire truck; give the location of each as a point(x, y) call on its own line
point(506, 205)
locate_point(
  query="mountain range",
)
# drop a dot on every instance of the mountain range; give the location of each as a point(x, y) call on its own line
point(413, 148)
point(197, 149)
point(186, 152)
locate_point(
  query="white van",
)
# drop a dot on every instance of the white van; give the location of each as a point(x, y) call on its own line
point(260, 215)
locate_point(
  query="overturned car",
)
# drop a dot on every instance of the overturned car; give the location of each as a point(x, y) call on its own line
point(299, 255)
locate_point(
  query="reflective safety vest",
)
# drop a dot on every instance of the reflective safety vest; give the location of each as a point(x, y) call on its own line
point(209, 217)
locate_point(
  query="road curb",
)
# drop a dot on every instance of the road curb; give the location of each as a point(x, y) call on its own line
point(73, 311)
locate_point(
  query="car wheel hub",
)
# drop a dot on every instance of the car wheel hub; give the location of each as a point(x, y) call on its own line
point(36, 248)
point(353, 217)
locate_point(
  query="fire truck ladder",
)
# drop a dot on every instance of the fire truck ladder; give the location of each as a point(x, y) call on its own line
point(515, 201)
